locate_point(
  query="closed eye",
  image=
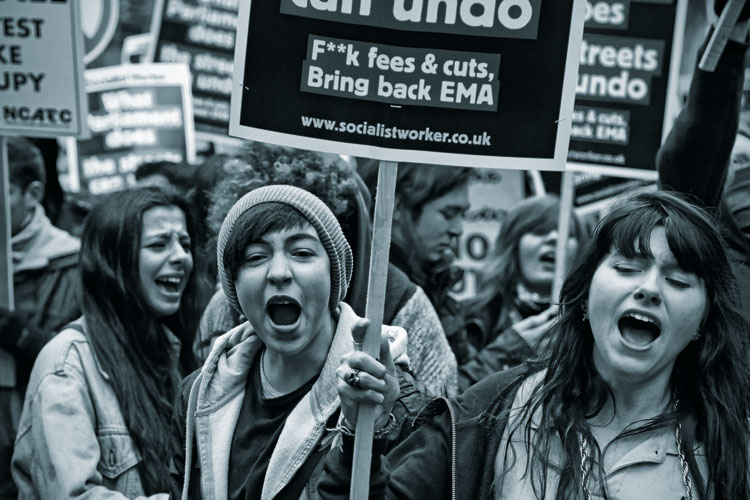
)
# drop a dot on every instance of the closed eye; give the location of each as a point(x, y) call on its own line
point(678, 283)
point(625, 269)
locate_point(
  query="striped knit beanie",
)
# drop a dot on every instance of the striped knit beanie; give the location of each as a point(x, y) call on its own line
point(316, 212)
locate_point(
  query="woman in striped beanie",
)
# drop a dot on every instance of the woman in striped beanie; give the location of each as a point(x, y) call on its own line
point(262, 407)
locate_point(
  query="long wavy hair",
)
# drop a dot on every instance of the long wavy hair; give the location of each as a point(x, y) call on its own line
point(709, 376)
point(537, 215)
point(129, 341)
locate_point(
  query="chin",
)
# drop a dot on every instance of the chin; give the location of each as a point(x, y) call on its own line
point(165, 312)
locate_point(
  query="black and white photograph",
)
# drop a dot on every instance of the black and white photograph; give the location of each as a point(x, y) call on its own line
point(375, 249)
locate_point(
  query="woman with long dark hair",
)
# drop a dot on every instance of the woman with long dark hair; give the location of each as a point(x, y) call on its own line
point(99, 403)
point(644, 394)
point(510, 315)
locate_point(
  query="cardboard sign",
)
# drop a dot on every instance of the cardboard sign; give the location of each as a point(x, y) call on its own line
point(41, 61)
point(139, 113)
point(201, 34)
point(626, 93)
point(472, 82)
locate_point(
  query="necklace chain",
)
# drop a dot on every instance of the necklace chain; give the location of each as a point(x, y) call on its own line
point(585, 466)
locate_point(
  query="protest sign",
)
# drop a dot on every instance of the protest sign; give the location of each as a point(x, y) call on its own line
point(626, 94)
point(41, 60)
point(492, 194)
point(201, 34)
point(139, 113)
point(99, 22)
point(472, 82)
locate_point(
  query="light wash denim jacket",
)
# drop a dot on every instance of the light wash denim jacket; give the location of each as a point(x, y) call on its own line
point(72, 440)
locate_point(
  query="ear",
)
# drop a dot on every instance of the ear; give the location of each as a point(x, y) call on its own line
point(34, 193)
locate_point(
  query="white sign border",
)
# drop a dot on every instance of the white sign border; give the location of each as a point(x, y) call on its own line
point(412, 155)
point(172, 73)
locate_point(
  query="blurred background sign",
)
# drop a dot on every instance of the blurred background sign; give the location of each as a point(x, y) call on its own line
point(99, 23)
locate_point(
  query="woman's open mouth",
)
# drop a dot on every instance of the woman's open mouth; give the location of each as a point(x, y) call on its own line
point(169, 284)
point(639, 329)
point(283, 311)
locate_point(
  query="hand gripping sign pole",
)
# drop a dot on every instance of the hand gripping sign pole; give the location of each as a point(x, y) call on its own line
point(381, 242)
point(729, 16)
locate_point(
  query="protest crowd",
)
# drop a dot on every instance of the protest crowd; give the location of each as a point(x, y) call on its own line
point(198, 330)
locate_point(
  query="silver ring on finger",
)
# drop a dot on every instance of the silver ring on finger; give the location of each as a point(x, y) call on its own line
point(352, 378)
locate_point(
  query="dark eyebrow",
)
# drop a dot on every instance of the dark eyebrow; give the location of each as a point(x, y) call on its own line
point(291, 239)
point(165, 235)
point(457, 206)
point(300, 237)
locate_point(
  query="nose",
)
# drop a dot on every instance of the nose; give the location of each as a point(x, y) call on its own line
point(279, 272)
point(178, 254)
point(456, 227)
point(648, 290)
point(551, 237)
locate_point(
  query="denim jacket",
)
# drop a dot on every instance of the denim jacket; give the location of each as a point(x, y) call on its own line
point(72, 440)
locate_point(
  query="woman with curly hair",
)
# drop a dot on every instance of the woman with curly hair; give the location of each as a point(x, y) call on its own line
point(645, 392)
point(101, 391)
point(335, 182)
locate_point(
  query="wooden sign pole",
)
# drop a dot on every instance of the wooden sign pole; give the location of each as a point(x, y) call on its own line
point(563, 230)
point(381, 242)
point(6, 263)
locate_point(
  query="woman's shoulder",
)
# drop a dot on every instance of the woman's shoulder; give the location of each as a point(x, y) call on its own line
point(63, 348)
point(68, 353)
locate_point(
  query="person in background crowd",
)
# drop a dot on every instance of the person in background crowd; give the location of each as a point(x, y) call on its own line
point(430, 204)
point(336, 183)
point(256, 416)
point(644, 394)
point(513, 309)
point(45, 283)
point(205, 178)
point(165, 175)
point(54, 198)
point(98, 404)
point(705, 157)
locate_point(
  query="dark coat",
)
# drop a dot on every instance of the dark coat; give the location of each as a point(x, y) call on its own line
point(449, 455)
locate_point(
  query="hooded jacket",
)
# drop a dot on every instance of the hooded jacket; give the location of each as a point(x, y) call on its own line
point(206, 417)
